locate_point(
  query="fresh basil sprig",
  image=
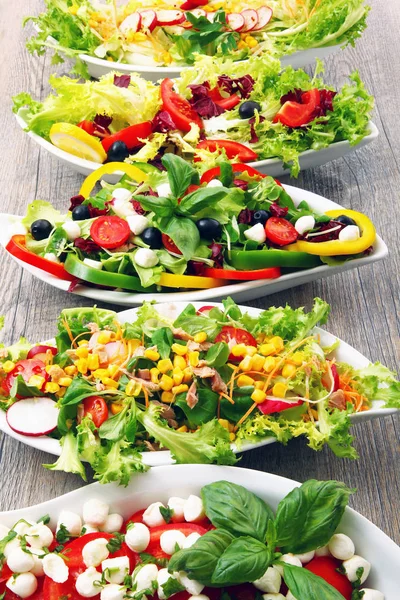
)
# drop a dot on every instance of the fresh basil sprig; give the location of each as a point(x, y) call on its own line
point(304, 584)
point(245, 559)
point(180, 174)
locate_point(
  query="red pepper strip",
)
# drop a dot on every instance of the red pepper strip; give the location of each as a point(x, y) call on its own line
point(232, 149)
point(16, 246)
point(131, 136)
point(225, 103)
point(190, 4)
point(236, 168)
point(269, 273)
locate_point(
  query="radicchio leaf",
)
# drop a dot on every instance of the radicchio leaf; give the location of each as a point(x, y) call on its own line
point(243, 85)
point(278, 211)
point(122, 81)
point(162, 122)
point(202, 103)
point(76, 201)
point(245, 216)
point(216, 254)
point(87, 246)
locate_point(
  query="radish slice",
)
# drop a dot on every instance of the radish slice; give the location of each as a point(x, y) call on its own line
point(236, 21)
point(33, 416)
point(170, 17)
point(210, 16)
point(93, 340)
point(198, 12)
point(264, 17)
point(114, 349)
point(149, 19)
point(131, 23)
point(250, 17)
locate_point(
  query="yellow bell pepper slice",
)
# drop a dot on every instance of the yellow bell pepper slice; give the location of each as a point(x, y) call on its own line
point(189, 281)
point(108, 169)
point(337, 247)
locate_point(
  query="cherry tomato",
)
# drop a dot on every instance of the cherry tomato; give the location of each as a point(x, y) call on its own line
point(178, 107)
point(204, 310)
point(190, 4)
point(109, 231)
point(296, 114)
point(269, 273)
point(16, 247)
point(280, 231)
point(233, 336)
point(131, 136)
point(169, 244)
point(154, 547)
point(26, 368)
point(40, 352)
point(326, 568)
point(96, 407)
point(87, 126)
point(232, 149)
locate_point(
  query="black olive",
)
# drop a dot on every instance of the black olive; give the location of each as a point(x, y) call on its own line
point(152, 237)
point(248, 108)
point(260, 216)
point(41, 229)
point(345, 220)
point(80, 213)
point(118, 152)
point(209, 229)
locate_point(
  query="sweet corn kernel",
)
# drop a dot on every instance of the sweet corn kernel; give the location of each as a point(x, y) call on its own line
point(179, 349)
point(242, 45)
point(167, 397)
point(92, 23)
point(151, 354)
point(200, 337)
point(83, 343)
point(136, 36)
point(224, 423)
point(164, 365)
point(277, 341)
point(110, 383)
point(298, 358)
point(71, 370)
point(82, 352)
point(267, 349)
point(104, 337)
point(179, 363)
point(245, 364)
point(257, 362)
point(238, 350)
point(182, 429)
point(61, 392)
point(194, 358)
point(133, 388)
point(93, 362)
point(288, 371)
point(177, 376)
point(231, 427)
point(65, 381)
point(73, 9)
point(116, 407)
point(251, 350)
point(48, 368)
point(258, 396)
point(251, 42)
point(179, 389)
point(154, 373)
point(36, 380)
point(100, 373)
point(167, 58)
point(82, 365)
point(269, 364)
point(245, 380)
point(166, 383)
point(8, 366)
point(187, 375)
point(259, 385)
point(51, 388)
point(113, 369)
point(232, 437)
point(279, 390)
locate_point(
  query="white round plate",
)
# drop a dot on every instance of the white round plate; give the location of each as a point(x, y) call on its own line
point(270, 166)
point(182, 480)
point(241, 291)
point(344, 353)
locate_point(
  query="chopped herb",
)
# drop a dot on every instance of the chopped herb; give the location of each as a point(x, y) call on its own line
point(45, 519)
point(115, 542)
point(172, 586)
point(166, 513)
point(63, 534)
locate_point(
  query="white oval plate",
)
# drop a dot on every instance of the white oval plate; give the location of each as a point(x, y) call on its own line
point(181, 480)
point(344, 353)
point(241, 291)
point(270, 166)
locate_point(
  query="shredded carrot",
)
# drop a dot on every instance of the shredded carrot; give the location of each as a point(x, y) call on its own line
point(231, 400)
point(146, 397)
point(68, 329)
point(244, 417)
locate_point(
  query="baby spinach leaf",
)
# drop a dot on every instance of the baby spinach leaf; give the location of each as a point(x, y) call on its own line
point(217, 355)
point(193, 323)
point(245, 559)
point(226, 174)
point(180, 173)
point(205, 409)
point(304, 584)
point(243, 401)
point(163, 339)
point(184, 234)
point(23, 390)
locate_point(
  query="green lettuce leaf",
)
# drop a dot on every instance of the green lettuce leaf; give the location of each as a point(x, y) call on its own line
point(40, 209)
point(69, 460)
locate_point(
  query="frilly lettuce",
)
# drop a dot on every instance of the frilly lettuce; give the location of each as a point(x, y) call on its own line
point(40, 209)
point(376, 382)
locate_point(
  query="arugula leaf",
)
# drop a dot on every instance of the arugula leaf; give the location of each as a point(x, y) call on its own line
point(180, 173)
point(163, 339)
point(245, 559)
point(62, 535)
point(304, 584)
point(115, 542)
point(69, 460)
point(217, 355)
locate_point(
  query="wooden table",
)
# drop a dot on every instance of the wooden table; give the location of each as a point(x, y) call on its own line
point(365, 303)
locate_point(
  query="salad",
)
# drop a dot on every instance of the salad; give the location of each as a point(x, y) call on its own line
point(247, 111)
point(110, 391)
point(160, 33)
point(228, 543)
point(170, 229)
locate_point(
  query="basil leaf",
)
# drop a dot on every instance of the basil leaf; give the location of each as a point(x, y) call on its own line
point(162, 207)
point(163, 339)
point(237, 510)
point(304, 584)
point(309, 515)
point(180, 173)
point(205, 410)
point(184, 233)
point(23, 390)
point(199, 561)
point(218, 355)
point(196, 201)
point(245, 559)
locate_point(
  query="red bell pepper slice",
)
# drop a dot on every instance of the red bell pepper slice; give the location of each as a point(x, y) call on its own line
point(131, 136)
point(16, 246)
point(269, 273)
point(232, 149)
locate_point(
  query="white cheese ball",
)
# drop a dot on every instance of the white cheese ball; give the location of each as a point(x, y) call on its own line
point(15, 543)
point(137, 223)
point(199, 597)
point(72, 229)
point(256, 233)
point(164, 190)
point(323, 551)
point(121, 195)
point(55, 568)
point(191, 539)
point(94, 264)
point(146, 258)
point(169, 540)
point(341, 546)
point(152, 516)
point(89, 529)
point(349, 233)
point(269, 582)
point(113, 523)
point(122, 208)
point(88, 583)
point(270, 596)
point(176, 505)
point(95, 512)
point(23, 585)
point(51, 257)
point(290, 559)
point(3, 531)
point(304, 224)
point(94, 552)
point(193, 509)
point(370, 594)
point(39, 536)
point(113, 591)
point(20, 561)
point(289, 596)
point(215, 183)
point(37, 568)
point(21, 527)
point(352, 565)
point(192, 586)
point(115, 569)
point(305, 557)
point(145, 577)
point(162, 577)
point(137, 537)
point(71, 521)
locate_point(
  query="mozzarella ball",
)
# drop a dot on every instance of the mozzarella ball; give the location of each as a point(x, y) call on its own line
point(191, 539)
point(23, 585)
point(137, 223)
point(289, 596)
point(323, 551)
point(269, 582)
point(215, 183)
point(20, 561)
point(370, 594)
point(113, 523)
point(55, 568)
point(94, 264)
point(145, 577)
point(137, 537)
point(164, 190)
point(341, 546)
point(162, 577)
point(113, 592)
point(23, 526)
point(352, 565)
point(152, 516)
point(115, 569)
point(176, 505)
point(71, 521)
point(192, 586)
point(15, 543)
point(72, 230)
point(39, 536)
point(304, 224)
point(85, 583)
point(95, 552)
point(256, 233)
point(121, 195)
point(3, 531)
point(89, 529)
point(290, 559)
point(146, 258)
point(170, 539)
point(37, 568)
point(349, 233)
point(51, 257)
point(193, 509)
point(199, 597)
point(305, 557)
point(95, 512)
point(122, 207)
point(270, 596)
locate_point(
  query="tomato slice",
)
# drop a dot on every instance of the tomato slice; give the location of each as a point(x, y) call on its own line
point(154, 547)
point(16, 246)
point(296, 114)
point(225, 103)
point(190, 4)
point(326, 568)
point(169, 244)
point(280, 231)
point(131, 136)
point(26, 368)
point(270, 273)
point(232, 149)
point(178, 107)
point(9, 595)
point(40, 352)
point(233, 336)
point(96, 407)
point(87, 126)
point(110, 231)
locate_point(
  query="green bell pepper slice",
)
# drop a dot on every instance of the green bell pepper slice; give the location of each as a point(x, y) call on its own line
point(260, 259)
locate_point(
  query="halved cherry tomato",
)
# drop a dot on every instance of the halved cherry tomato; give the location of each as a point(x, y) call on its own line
point(232, 149)
point(96, 407)
point(16, 246)
point(110, 231)
point(40, 352)
point(26, 368)
point(169, 244)
point(178, 107)
point(296, 114)
point(87, 126)
point(154, 547)
point(131, 136)
point(280, 231)
point(326, 568)
point(270, 273)
point(233, 336)
point(225, 103)
point(204, 310)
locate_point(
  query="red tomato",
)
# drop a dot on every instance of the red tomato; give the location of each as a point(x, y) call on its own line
point(190, 4)
point(96, 407)
point(131, 136)
point(327, 381)
point(268, 273)
point(154, 547)
point(16, 246)
point(169, 244)
point(137, 517)
point(178, 107)
point(233, 336)
point(204, 310)
point(294, 114)
point(192, 188)
point(232, 149)
point(109, 231)
point(38, 595)
point(26, 368)
point(326, 568)
point(87, 126)
point(40, 352)
point(280, 231)
point(225, 103)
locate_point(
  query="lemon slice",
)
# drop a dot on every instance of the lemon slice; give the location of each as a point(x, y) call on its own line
point(76, 141)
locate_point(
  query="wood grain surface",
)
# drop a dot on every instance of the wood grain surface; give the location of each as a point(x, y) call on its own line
point(365, 303)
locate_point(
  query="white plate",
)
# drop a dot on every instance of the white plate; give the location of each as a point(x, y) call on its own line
point(270, 166)
point(98, 67)
point(344, 353)
point(181, 480)
point(241, 292)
